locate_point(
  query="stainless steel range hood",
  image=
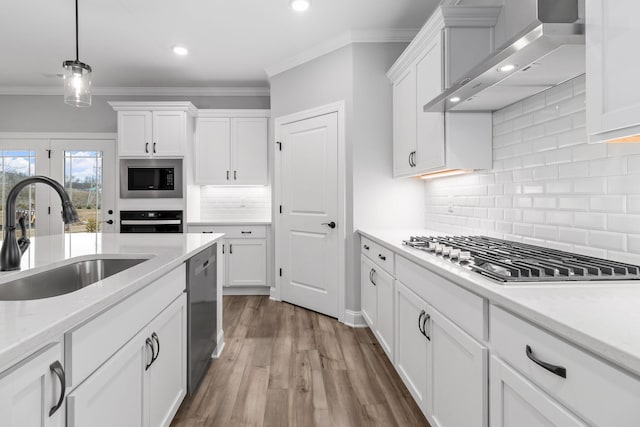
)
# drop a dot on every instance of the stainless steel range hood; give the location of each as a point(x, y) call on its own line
point(548, 52)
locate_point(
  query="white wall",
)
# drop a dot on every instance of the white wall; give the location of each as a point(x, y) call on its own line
point(356, 75)
point(548, 186)
point(48, 113)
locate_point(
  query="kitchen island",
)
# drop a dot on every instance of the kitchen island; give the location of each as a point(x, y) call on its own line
point(103, 335)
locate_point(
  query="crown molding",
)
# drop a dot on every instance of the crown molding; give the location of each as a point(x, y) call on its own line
point(142, 91)
point(155, 106)
point(390, 35)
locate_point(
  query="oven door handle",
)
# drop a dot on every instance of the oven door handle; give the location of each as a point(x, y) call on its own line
point(150, 222)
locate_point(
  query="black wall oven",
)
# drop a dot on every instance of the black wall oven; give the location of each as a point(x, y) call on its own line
point(150, 178)
point(151, 221)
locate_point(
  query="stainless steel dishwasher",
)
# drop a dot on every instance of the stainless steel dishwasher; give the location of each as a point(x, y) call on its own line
point(201, 314)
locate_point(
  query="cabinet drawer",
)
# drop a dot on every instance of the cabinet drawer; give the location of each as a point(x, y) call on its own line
point(380, 255)
point(232, 232)
point(466, 309)
point(593, 389)
point(91, 344)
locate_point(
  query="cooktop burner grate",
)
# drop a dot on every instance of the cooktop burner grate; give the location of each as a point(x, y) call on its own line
point(508, 261)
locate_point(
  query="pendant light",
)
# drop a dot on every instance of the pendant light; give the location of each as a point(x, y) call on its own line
point(77, 78)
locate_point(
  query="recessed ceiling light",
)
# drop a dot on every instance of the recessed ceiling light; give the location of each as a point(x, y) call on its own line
point(507, 68)
point(180, 50)
point(455, 99)
point(300, 5)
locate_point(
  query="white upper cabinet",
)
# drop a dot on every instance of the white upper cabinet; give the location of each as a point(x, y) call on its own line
point(451, 43)
point(613, 101)
point(213, 151)
point(249, 150)
point(404, 123)
point(232, 147)
point(153, 129)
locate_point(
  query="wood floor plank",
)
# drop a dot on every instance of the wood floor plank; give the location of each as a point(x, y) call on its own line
point(286, 366)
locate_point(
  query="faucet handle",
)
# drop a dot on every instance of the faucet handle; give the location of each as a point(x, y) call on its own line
point(23, 225)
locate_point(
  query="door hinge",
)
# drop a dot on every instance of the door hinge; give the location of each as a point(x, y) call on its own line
point(280, 208)
point(49, 210)
point(279, 145)
point(280, 272)
point(49, 154)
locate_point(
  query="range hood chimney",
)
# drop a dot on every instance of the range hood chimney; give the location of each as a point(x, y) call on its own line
point(549, 51)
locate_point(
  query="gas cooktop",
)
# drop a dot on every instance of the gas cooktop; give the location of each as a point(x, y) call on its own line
point(507, 261)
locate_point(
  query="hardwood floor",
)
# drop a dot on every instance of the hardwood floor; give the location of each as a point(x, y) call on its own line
point(287, 366)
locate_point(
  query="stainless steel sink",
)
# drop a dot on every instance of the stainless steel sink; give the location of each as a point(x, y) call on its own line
point(65, 279)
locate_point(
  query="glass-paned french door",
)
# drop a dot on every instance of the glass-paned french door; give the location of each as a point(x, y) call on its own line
point(85, 167)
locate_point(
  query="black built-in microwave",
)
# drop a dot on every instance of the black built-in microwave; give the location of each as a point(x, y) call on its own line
point(150, 178)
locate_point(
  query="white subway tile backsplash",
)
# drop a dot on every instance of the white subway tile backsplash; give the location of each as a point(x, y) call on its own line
point(548, 185)
point(235, 203)
point(612, 204)
point(608, 240)
point(608, 167)
point(559, 93)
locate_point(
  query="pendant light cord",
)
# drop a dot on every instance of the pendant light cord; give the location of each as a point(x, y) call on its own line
point(77, 42)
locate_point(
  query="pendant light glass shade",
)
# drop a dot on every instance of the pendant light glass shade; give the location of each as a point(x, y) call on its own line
point(77, 84)
point(77, 78)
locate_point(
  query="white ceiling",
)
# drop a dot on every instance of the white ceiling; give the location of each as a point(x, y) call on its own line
point(128, 42)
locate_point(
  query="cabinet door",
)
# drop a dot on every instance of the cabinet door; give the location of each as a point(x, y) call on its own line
point(213, 151)
point(412, 347)
point(30, 390)
point(135, 134)
point(430, 144)
point(247, 262)
point(515, 402)
point(384, 310)
point(169, 133)
point(249, 151)
point(458, 373)
point(168, 373)
point(368, 294)
point(114, 395)
point(612, 32)
point(404, 122)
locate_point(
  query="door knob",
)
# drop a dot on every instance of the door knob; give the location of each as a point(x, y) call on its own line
point(330, 224)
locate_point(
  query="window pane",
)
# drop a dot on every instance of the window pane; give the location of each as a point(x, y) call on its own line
point(83, 182)
point(16, 165)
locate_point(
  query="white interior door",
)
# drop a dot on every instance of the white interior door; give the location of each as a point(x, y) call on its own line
point(307, 244)
point(87, 170)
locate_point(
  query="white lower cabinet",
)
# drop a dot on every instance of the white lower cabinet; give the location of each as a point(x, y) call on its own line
point(458, 374)
point(442, 366)
point(369, 295)
point(167, 374)
point(246, 262)
point(516, 402)
point(30, 392)
point(143, 384)
point(412, 346)
point(114, 394)
point(377, 303)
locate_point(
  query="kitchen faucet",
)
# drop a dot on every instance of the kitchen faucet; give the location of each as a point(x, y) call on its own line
point(12, 248)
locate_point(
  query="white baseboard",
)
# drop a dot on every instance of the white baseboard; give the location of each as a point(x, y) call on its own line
point(273, 294)
point(354, 319)
point(220, 345)
point(246, 290)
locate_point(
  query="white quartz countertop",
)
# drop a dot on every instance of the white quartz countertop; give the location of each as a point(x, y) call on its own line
point(602, 317)
point(26, 326)
point(231, 222)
